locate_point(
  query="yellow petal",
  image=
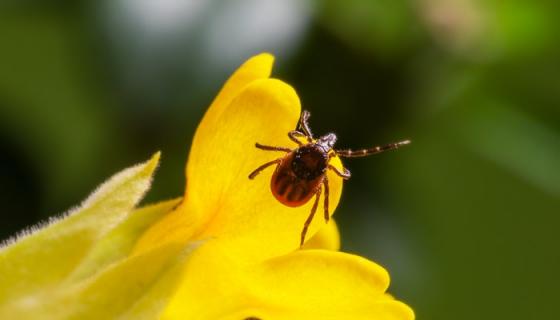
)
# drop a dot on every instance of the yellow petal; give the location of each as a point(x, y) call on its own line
point(327, 238)
point(222, 201)
point(307, 284)
point(46, 256)
point(326, 284)
point(180, 226)
point(256, 68)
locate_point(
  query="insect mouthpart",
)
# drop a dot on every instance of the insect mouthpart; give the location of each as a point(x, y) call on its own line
point(327, 141)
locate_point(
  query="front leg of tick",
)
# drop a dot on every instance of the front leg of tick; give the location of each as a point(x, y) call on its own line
point(310, 218)
point(294, 135)
point(271, 148)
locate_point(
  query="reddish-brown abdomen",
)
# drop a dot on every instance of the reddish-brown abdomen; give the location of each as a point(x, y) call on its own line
point(288, 188)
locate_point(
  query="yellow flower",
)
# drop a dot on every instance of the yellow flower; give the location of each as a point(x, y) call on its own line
point(226, 250)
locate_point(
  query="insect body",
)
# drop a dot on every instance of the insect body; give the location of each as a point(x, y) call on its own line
point(301, 173)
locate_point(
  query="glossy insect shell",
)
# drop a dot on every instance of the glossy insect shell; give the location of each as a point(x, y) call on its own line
point(299, 174)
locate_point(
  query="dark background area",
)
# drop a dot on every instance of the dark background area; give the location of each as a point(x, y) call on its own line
point(466, 218)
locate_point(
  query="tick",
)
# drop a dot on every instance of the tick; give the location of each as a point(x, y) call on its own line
point(302, 172)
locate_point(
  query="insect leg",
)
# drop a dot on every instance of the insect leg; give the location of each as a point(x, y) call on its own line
point(264, 166)
point(344, 175)
point(294, 134)
point(303, 123)
point(366, 152)
point(271, 148)
point(326, 203)
point(310, 218)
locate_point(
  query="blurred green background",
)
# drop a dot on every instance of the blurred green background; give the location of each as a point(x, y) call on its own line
point(466, 219)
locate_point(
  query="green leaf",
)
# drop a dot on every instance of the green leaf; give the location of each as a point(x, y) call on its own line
point(137, 287)
point(118, 242)
point(68, 247)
